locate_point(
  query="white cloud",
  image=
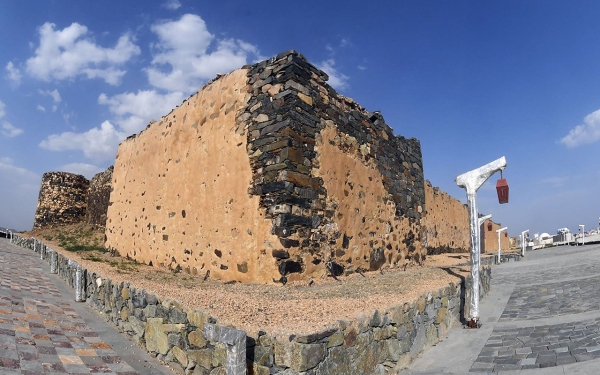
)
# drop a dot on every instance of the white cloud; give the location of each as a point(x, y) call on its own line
point(10, 131)
point(54, 108)
point(337, 80)
point(556, 181)
point(183, 47)
point(55, 95)
point(2, 111)
point(68, 53)
point(7, 167)
point(134, 111)
point(18, 189)
point(588, 132)
point(361, 67)
point(97, 143)
point(14, 74)
point(172, 4)
point(87, 170)
point(40, 108)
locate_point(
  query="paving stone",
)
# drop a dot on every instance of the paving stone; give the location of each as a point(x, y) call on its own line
point(42, 334)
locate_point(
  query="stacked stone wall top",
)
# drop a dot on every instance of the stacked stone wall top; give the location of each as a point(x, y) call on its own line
point(62, 199)
point(99, 197)
point(180, 191)
point(446, 222)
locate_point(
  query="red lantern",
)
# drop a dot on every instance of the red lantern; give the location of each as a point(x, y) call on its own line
point(502, 190)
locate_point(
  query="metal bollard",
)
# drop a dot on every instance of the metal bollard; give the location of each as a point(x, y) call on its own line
point(53, 261)
point(79, 297)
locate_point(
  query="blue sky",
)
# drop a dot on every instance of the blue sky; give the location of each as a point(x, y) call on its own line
point(471, 80)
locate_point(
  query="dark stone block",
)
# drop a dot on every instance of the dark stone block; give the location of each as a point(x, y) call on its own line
point(139, 300)
point(346, 241)
point(287, 243)
point(315, 337)
point(291, 220)
point(282, 231)
point(377, 259)
point(280, 254)
point(273, 187)
point(289, 266)
point(335, 269)
point(177, 316)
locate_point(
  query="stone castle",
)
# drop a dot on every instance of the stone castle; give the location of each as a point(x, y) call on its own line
point(268, 174)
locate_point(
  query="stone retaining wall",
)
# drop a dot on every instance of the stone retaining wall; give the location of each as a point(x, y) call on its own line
point(372, 344)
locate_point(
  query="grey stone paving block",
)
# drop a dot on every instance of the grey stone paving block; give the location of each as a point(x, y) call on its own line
point(547, 364)
point(482, 366)
point(527, 361)
point(583, 357)
point(48, 358)
point(506, 367)
point(31, 366)
point(565, 360)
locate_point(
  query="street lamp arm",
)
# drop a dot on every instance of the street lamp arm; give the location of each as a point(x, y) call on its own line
point(473, 180)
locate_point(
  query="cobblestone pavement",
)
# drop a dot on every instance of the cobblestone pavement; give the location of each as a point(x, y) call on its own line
point(542, 316)
point(539, 346)
point(560, 288)
point(562, 298)
point(41, 331)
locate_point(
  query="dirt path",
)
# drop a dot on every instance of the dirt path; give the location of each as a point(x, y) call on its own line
point(277, 309)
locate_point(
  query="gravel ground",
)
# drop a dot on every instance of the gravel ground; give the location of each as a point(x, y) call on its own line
point(295, 308)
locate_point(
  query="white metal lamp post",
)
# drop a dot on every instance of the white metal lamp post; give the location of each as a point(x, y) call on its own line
point(523, 242)
point(484, 218)
point(499, 231)
point(582, 229)
point(471, 181)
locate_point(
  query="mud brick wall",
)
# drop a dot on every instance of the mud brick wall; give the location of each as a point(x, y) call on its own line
point(445, 223)
point(376, 343)
point(489, 237)
point(62, 199)
point(98, 198)
point(267, 174)
point(341, 188)
point(180, 191)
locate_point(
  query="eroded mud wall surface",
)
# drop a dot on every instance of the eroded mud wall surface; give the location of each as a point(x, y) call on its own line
point(268, 174)
point(445, 223)
point(62, 199)
point(180, 191)
point(98, 198)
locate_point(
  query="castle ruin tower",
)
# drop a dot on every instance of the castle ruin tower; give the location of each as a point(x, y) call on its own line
point(62, 199)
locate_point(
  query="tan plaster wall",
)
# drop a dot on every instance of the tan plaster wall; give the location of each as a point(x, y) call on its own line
point(446, 221)
point(180, 191)
point(489, 238)
point(364, 212)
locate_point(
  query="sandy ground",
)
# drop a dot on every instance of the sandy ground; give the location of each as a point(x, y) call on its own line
point(295, 308)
